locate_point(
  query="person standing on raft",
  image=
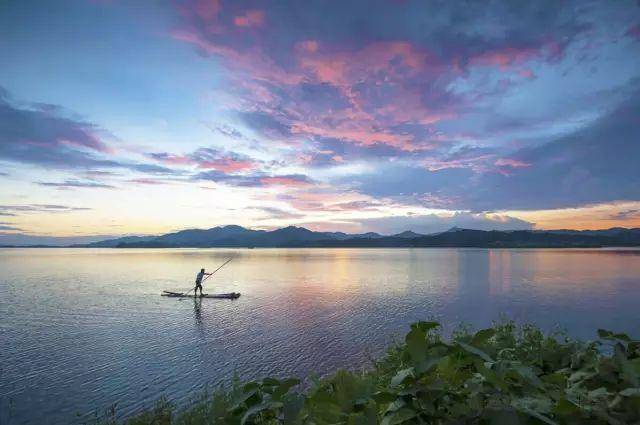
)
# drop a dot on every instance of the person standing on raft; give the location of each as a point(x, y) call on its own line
point(199, 281)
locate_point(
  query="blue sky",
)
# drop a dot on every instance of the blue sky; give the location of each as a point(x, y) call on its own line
point(149, 117)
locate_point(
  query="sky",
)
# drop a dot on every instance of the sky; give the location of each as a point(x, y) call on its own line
point(146, 117)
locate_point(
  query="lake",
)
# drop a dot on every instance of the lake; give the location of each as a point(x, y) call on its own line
point(82, 329)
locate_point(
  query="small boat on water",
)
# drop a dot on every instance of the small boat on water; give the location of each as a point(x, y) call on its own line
point(231, 295)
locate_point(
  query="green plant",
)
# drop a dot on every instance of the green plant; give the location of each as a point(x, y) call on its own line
point(500, 375)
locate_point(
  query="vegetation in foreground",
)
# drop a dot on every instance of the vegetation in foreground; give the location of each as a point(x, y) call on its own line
point(500, 375)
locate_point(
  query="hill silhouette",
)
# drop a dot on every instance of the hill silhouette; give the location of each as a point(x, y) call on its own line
point(233, 236)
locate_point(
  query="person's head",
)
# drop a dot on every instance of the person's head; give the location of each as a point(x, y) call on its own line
point(202, 270)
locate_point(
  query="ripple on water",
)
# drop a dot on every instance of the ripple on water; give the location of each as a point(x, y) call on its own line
point(83, 329)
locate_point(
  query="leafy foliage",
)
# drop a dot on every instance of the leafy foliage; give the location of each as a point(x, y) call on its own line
point(500, 375)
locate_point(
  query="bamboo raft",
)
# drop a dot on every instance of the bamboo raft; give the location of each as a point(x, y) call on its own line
point(230, 296)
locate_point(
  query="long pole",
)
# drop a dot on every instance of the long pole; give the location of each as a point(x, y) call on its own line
point(224, 264)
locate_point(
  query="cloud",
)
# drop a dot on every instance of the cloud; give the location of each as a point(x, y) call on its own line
point(289, 180)
point(251, 18)
point(227, 162)
point(258, 179)
point(264, 124)
point(72, 184)
point(13, 210)
point(327, 70)
point(25, 239)
point(410, 181)
point(465, 156)
point(360, 205)
point(228, 131)
point(512, 163)
point(625, 215)
point(42, 135)
point(209, 159)
point(9, 226)
point(466, 110)
point(278, 213)
point(479, 107)
point(634, 32)
point(148, 181)
point(432, 223)
point(148, 168)
point(596, 164)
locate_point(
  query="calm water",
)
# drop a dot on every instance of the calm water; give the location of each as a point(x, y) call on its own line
point(82, 329)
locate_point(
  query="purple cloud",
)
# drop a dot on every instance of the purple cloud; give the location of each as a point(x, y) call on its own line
point(593, 165)
point(40, 134)
point(209, 159)
point(306, 77)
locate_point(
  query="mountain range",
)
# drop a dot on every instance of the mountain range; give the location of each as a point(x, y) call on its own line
point(237, 237)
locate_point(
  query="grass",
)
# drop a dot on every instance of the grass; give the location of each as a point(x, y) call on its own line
point(501, 375)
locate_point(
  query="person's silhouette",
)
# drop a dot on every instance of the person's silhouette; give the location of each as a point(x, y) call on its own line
point(199, 281)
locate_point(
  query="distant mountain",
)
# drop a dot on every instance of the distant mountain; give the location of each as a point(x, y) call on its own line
point(112, 243)
point(512, 239)
point(407, 234)
point(216, 236)
point(237, 236)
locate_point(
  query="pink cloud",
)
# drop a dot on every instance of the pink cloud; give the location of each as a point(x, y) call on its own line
point(475, 163)
point(228, 165)
point(506, 57)
point(348, 67)
point(380, 88)
point(328, 69)
point(88, 140)
point(172, 159)
point(388, 70)
point(510, 162)
point(252, 61)
point(209, 159)
point(527, 73)
point(207, 9)
point(284, 181)
point(634, 32)
point(251, 19)
point(310, 46)
point(354, 133)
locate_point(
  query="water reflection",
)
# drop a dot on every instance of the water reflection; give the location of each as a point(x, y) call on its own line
point(197, 311)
